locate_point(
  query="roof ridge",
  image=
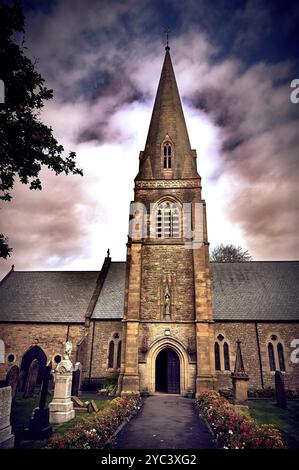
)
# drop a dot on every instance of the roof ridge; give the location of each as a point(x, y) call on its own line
point(57, 271)
point(256, 261)
point(7, 275)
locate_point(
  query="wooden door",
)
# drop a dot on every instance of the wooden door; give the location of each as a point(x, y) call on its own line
point(173, 372)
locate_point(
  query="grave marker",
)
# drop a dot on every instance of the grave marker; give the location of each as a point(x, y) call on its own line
point(7, 439)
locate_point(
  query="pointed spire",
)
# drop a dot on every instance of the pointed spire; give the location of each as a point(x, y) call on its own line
point(167, 124)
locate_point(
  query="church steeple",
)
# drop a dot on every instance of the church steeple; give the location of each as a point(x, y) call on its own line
point(167, 304)
point(167, 127)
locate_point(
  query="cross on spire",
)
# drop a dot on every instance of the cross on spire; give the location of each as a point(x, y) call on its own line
point(167, 31)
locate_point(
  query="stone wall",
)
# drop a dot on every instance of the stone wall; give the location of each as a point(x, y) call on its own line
point(247, 333)
point(162, 263)
point(18, 338)
point(100, 335)
point(179, 336)
point(51, 338)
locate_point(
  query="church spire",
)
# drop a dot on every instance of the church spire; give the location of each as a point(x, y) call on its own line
point(167, 127)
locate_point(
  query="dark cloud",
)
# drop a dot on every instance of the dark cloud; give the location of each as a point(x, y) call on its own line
point(260, 154)
point(103, 61)
point(50, 228)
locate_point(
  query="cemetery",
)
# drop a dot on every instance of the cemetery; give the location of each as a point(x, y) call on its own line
point(57, 414)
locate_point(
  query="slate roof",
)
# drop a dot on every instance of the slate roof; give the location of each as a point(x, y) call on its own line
point(46, 296)
point(257, 290)
point(110, 303)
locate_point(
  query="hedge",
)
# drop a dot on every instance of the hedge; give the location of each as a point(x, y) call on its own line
point(94, 431)
point(233, 430)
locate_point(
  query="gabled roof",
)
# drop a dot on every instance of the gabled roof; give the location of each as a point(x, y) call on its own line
point(110, 303)
point(46, 296)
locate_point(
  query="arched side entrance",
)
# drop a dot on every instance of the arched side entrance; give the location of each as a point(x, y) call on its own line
point(35, 352)
point(167, 371)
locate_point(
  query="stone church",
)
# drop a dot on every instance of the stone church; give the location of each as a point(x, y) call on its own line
point(166, 320)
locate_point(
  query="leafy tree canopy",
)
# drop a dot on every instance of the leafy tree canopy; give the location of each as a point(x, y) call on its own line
point(5, 251)
point(230, 254)
point(26, 144)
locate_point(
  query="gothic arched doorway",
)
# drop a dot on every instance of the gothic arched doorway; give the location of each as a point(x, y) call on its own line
point(33, 353)
point(168, 371)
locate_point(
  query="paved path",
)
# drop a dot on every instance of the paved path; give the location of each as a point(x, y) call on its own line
point(166, 422)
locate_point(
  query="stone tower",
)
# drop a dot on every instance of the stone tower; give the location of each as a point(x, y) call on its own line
point(167, 332)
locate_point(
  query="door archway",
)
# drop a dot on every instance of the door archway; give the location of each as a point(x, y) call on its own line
point(167, 370)
point(35, 352)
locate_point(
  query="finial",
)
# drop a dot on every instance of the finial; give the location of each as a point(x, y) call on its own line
point(108, 253)
point(12, 267)
point(167, 31)
point(239, 365)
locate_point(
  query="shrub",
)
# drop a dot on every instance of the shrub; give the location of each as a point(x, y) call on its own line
point(292, 394)
point(233, 430)
point(93, 432)
point(111, 389)
point(110, 381)
point(267, 392)
point(225, 392)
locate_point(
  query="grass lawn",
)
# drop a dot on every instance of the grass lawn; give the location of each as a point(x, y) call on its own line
point(22, 411)
point(286, 420)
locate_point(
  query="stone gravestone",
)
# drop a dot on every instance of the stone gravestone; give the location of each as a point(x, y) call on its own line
point(12, 379)
point(7, 439)
point(22, 380)
point(51, 378)
point(61, 407)
point(280, 391)
point(39, 425)
point(31, 379)
point(76, 380)
point(51, 383)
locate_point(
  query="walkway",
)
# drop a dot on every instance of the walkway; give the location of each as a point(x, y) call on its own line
point(166, 422)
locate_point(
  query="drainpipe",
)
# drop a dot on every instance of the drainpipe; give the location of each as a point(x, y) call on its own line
point(259, 354)
point(68, 332)
point(91, 352)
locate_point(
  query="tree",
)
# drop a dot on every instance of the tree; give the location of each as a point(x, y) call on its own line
point(230, 254)
point(5, 251)
point(26, 144)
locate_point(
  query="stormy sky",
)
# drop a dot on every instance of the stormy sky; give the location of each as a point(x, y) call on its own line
point(234, 62)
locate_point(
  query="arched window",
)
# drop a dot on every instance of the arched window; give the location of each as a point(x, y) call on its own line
point(118, 362)
point(111, 355)
point(167, 155)
point(271, 357)
point(168, 220)
point(221, 352)
point(217, 356)
point(226, 356)
point(281, 357)
point(2, 351)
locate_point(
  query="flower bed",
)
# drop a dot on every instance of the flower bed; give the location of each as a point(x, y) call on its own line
point(96, 430)
point(233, 430)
